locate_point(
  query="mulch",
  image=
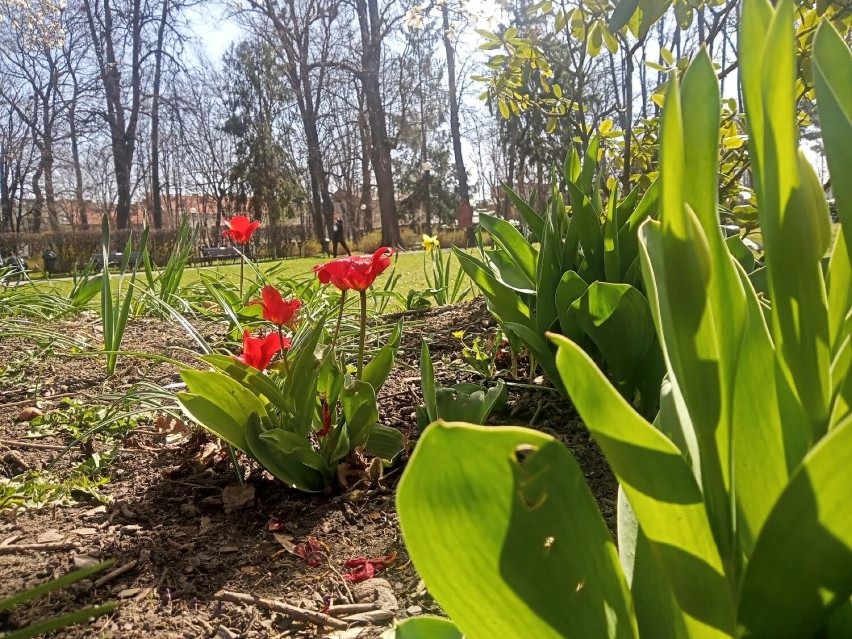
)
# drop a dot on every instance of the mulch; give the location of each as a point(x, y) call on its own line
point(181, 529)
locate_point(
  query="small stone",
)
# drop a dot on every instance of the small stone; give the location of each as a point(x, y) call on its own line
point(237, 496)
point(131, 530)
point(372, 616)
point(225, 633)
point(95, 512)
point(85, 532)
point(414, 610)
point(127, 593)
point(49, 536)
point(85, 561)
point(189, 508)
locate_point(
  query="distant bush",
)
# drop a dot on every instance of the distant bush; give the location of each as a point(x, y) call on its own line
point(74, 248)
point(412, 239)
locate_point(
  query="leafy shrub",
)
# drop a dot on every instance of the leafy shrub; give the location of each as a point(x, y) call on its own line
point(576, 273)
point(734, 518)
point(461, 402)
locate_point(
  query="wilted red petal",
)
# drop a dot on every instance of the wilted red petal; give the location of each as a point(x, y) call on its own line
point(311, 551)
point(367, 568)
point(326, 419)
point(367, 571)
point(275, 525)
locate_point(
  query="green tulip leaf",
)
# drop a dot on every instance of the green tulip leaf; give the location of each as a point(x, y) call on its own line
point(508, 538)
point(289, 457)
point(522, 253)
point(376, 371)
point(385, 442)
point(424, 628)
point(660, 487)
point(220, 404)
point(360, 410)
point(811, 521)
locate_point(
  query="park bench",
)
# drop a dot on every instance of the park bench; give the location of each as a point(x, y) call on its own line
point(113, 259)
point(210, 254)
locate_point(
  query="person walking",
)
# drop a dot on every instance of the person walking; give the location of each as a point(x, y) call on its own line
point(337, 236)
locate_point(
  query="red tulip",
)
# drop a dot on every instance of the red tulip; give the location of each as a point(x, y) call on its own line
point(355, 273)
point(276, 309)
point(259, 351)
point(240, 229)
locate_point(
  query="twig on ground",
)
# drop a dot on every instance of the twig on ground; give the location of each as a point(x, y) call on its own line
point(295, 612)
point(11, 539)
point(351, 609)
point(53, 545)
point(33, 400)
point(537, 411)
point(146, 591)
point(130, 565)
point(14, 443)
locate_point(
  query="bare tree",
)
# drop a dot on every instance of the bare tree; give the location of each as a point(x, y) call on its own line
point(304, 30)
point(374, 25)
point(117, 37)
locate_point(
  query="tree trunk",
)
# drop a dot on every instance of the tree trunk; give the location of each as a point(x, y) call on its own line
point(78, 169)
point(49, 191)
point(157, 201)
point(5, 192)
point(455, 126)
point(371, 45)
point(321, 204)
point(38, 200)
point(366, 204)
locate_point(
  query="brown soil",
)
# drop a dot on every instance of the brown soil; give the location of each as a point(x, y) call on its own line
point(166, 509)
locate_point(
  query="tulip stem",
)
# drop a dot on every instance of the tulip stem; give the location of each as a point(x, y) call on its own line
point(242, 266)
point(339, 319)
point(284, 351)
point(363, 334)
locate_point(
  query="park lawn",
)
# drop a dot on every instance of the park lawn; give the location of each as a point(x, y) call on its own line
point(407, 264)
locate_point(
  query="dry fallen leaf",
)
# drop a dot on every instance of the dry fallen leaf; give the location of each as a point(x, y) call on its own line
point(251, 570)
point(28, 413)
point(286, 542)
point(208, 452)
point(168, 425)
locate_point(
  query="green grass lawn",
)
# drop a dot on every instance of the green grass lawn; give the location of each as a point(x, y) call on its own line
point(409, 265)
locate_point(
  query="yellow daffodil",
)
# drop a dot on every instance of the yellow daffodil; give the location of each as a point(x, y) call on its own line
point(431, 242)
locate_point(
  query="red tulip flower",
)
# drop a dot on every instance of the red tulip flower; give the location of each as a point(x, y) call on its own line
point(259, 351)
point(356, 272)
point(276, 309)
point(240, 229)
